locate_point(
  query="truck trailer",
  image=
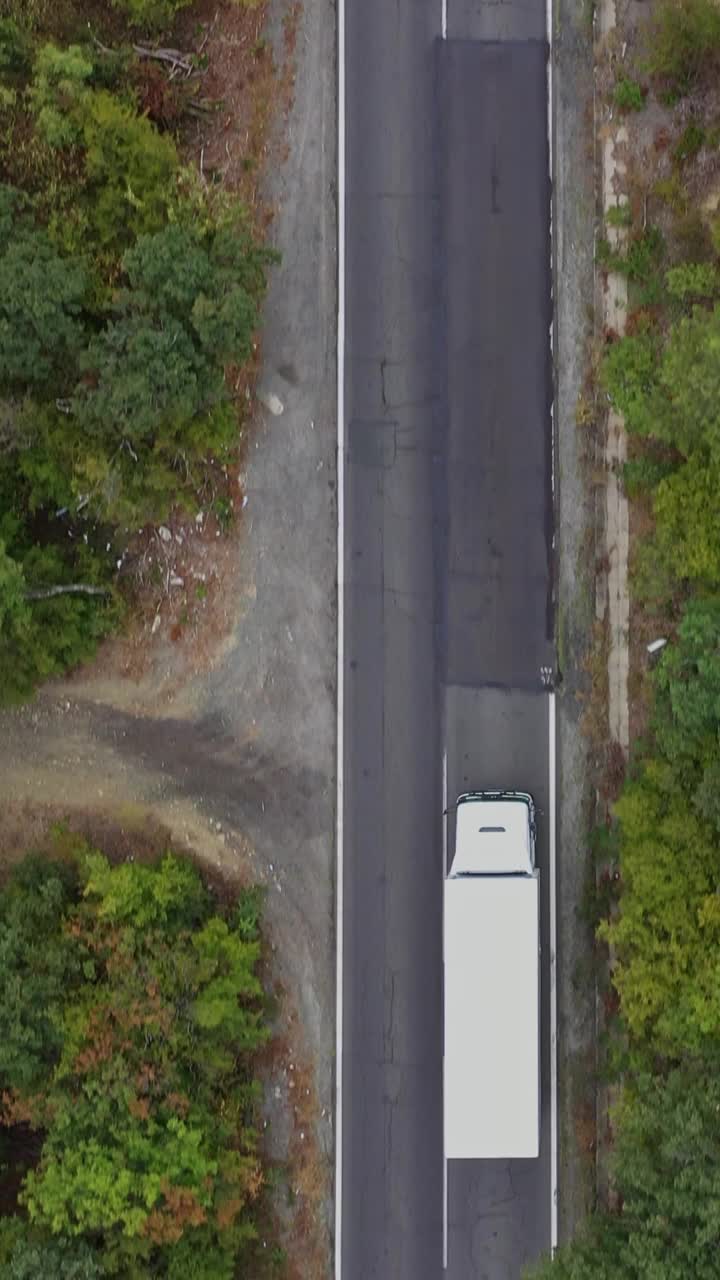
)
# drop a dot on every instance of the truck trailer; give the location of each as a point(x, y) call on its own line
point(491, 947)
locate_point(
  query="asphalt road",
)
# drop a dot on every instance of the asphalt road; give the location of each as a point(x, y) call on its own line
point(447, 601)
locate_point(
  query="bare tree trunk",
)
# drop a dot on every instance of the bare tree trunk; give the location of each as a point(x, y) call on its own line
point(72, 589)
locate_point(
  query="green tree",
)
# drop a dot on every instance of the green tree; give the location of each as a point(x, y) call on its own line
point(36, 971)
point(129, 167)
point(687, 687)
point(41, 314)
point(667, 934)
point(688, 521)
point(14, 611)
point(686, 716)
point(131, 170)
point(597, 1253)
point(152, 401)
point(667, 1161)
point(59, 91)
point(671, 392)
point(667, 1173)
point(147, 1101)
point(35, 1255)
point(690, 382)
point(47, 634)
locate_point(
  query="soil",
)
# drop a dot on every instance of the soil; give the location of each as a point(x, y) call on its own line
point(210, 723)
point(576, 493)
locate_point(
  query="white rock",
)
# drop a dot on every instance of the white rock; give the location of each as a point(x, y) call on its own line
point(165, 533)
point(175, 581)
point(272, 403)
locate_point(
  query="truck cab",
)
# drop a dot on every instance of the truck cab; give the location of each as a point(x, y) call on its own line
point(494, 834)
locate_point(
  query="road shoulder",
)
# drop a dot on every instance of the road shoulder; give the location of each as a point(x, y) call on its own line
point(573, 235)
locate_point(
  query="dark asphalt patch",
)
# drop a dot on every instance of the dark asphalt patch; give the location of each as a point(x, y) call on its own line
point(496, 227)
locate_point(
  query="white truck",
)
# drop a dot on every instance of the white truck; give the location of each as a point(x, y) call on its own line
point(491, 946)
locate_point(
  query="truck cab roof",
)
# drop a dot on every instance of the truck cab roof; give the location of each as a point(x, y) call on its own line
point(494, 834)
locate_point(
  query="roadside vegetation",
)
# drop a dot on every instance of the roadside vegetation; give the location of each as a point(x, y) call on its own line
point(657, 906)
point(129, 296)
point(131, 1016)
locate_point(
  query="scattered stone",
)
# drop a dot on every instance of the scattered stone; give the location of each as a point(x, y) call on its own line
point(175, 581)
point(271, 402)
point(165, 533)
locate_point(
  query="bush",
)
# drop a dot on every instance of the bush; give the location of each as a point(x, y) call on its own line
point(629, 373)
point(689, 143)
point(151, 13)
point(643, 475)
point(619, 215)
point(668, 930)
point(15, 49)
point(639, 260)
point(692, 281)
point(684, 42)
point(628, 94)
point(156, 13)
point(688, 521)
point(652, 580)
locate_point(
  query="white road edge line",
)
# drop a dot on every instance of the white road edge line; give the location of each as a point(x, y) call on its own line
point(444, 873)
point(340, 726)
point(553, 981)
point(551, 708)
point(443, 20)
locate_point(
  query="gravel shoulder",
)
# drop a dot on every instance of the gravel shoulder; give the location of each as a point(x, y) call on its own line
point(573, 228)
point(240, 761)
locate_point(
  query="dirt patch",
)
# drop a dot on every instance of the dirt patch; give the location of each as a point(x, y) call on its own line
point(299, 1168)
point(185, 594)
point(228, 144)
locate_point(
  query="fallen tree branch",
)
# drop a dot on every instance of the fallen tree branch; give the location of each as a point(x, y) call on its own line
point(102, 47)
point(72, 589)
point(173, 56)
point(208, 33)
